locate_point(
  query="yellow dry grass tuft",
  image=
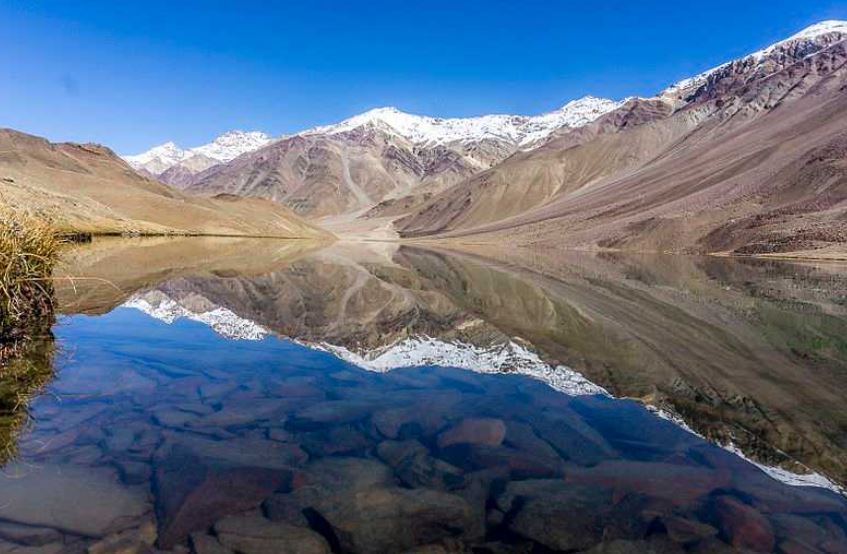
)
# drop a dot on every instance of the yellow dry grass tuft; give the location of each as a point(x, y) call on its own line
point(29, 247)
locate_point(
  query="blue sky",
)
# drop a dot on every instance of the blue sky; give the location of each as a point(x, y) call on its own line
point(134, 74)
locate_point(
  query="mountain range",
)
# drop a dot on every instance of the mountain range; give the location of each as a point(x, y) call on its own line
point(743, 158)
point(380, 155)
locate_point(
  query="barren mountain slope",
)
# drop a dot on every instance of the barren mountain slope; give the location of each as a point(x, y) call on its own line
point(87, 188)
point(530, 179)
point(749, 162)
point(320, 175)
point(384, 159)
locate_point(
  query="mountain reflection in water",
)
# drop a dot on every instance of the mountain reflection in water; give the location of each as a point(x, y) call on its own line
point(268, 405)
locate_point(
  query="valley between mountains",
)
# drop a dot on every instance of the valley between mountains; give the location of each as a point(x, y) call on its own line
point(747, 158)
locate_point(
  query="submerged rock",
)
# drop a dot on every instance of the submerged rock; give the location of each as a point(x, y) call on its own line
point(191, 495)
point(202, 543)
point(344, 439)
point(658, 545)
point(321, 481)
point(52, 548)
point(559, 515)
point(523, 437)
point(686, 531)
point(28, 535)
point(83, 501)
point(257, 535)
point(518, 464)
point(474, 431)
point(415, 467)
point(745, 526)
point(393, 519)
point(132, 541)
point(237, 452)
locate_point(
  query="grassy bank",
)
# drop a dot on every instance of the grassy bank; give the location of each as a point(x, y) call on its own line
point(28, 250)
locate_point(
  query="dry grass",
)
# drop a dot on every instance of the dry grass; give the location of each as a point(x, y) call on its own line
point(28, 249)
point(22, 376)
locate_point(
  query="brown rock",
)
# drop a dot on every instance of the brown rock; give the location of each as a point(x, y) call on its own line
point(202, 543)
point(415, 467)
point(28, 535)
point(190, 495)
point(521, 465)
point(132, 541)
point(322, 481)
point(523, 437)
point(678, 484)
point(744, 525)
point(686, 531)
point(392, 519)
point(257, 535)
point(556, 514)
point(474, 431)
point(343, 439)
point(834, 546)
point(794, 546)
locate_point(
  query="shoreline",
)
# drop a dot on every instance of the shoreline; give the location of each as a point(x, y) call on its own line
point(79, 237)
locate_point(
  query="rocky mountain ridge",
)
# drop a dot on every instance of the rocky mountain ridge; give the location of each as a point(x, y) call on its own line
point(741, 159)
point(362, 161)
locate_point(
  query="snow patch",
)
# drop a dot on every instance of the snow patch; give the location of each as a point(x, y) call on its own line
point(506, 358)
point(811, 479)
point(223, 149)
point(223, 321)
point(809, 34)
point(516, 129)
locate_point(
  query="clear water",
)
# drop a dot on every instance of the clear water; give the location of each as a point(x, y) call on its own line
point(223, 417)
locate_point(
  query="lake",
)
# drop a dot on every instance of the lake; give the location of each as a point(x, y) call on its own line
point(254, 396)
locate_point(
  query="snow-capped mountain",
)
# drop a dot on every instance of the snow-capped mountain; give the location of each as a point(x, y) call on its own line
point(157, 159)
point(232, 144)
point(809, 40)
point(385, 159)
point(517, 129)
point(223, 149)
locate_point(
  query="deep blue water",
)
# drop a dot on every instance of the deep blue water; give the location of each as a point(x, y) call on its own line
point(176, 435)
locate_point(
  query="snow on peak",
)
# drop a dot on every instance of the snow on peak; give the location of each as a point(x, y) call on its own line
point(810, 33)
point(509, 357)
point(816, 30)
point(166, 153)
point(423, 130)
point(232, 144)
point(518, 129)
point(223, 321)
point(224, 148)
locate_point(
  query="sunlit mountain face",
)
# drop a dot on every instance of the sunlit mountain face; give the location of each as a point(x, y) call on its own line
point(287, 396)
